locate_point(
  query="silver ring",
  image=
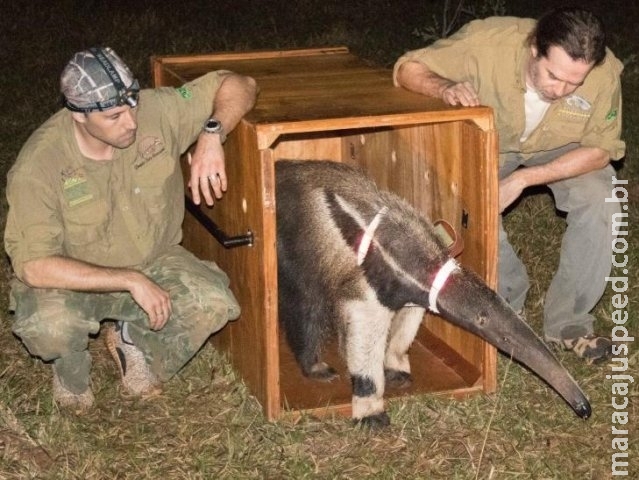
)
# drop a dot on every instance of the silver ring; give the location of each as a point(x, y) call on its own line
point(215, 177)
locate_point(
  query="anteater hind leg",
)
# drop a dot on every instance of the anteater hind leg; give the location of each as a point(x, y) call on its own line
point(366, 330)
point(403, 329)
point(305, 326)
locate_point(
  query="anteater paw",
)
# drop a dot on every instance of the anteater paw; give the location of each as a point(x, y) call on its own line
point(374, 422)
point(397, 379)
point(322, 372)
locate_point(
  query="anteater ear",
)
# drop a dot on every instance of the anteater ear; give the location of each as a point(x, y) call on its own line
point(453, 242)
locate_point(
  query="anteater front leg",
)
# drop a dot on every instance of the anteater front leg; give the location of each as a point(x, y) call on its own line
point(404, 327)
point(366, 325)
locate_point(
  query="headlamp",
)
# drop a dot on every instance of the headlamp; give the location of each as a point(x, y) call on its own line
point(128, 96)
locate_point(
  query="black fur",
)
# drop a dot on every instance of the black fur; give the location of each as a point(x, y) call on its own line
point(363, 386)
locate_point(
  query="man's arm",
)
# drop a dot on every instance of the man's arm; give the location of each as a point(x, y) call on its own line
point(70, 274)
point(574, 163)
point(234, 98)
point(417, 77)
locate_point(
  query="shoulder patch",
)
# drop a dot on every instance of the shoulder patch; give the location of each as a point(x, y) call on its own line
point(184, 92)
point(612, 114)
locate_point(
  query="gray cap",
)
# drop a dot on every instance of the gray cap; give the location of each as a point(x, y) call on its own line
point(97, 79)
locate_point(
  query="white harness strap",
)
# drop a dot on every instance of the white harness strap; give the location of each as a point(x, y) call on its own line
point(440, 280)
point(367, 237)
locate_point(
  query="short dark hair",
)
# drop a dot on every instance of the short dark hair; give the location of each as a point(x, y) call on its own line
point(579, 32)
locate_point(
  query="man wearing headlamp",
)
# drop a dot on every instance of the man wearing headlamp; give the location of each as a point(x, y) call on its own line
point(94, 224)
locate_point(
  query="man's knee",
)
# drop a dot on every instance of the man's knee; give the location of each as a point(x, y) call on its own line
point(586, 195)
point(208, 296)
point(51, 337)
point(512, 282)
point(46, 324)
point(196, 285)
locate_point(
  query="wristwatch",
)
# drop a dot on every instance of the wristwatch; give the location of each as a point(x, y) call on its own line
point(213, 125)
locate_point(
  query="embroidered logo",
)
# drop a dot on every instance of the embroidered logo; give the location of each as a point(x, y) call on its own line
point(612, 114)
point(578, 102)
point(75, 187)
point(185, 92)
point(148, 148)
point(575, 108)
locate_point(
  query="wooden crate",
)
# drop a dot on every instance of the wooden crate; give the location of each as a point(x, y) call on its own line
point(329, 104)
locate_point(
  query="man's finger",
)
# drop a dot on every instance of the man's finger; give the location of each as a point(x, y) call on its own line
point(194, 186)
point(205, 186)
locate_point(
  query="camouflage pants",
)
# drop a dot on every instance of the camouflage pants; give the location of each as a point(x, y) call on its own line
point(56, 325)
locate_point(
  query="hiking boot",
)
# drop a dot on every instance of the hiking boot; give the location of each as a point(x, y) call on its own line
point(136, 375)
point(592, 348)
point(65, 398)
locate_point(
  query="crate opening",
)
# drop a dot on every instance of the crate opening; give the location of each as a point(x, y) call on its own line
point(435, 368)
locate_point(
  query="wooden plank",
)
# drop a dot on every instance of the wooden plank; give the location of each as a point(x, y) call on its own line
point(308, 147)
point(247, 205)
point(320, 92)
point(477, 186)
point(268, 133)
point(212, 57)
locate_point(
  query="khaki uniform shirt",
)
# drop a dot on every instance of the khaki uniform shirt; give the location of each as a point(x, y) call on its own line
point(492, 55)
point(117, 213)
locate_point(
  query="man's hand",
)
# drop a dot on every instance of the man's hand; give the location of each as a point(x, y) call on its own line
point(153, 299)
point(510, 188)
point(417, 77)
point(234, 98)
point(460, 94)
point(208, 172)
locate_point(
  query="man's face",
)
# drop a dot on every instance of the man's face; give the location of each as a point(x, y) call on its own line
point(556, 75)
point(116, 126)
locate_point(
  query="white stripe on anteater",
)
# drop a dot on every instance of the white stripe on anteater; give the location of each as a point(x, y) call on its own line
point(369, 232)
point(352, 212)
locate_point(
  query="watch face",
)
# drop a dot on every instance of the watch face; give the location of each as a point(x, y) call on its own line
point(212, 125)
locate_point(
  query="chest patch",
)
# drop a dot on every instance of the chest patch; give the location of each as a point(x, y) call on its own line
point(148, 148)
point(578, 103)
point(576, 108)
point(75, 188)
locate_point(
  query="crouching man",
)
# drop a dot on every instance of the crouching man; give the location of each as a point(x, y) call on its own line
point(556, 92)
point(94, 224)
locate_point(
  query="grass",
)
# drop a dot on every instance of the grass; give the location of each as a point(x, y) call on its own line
point(206, 424)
